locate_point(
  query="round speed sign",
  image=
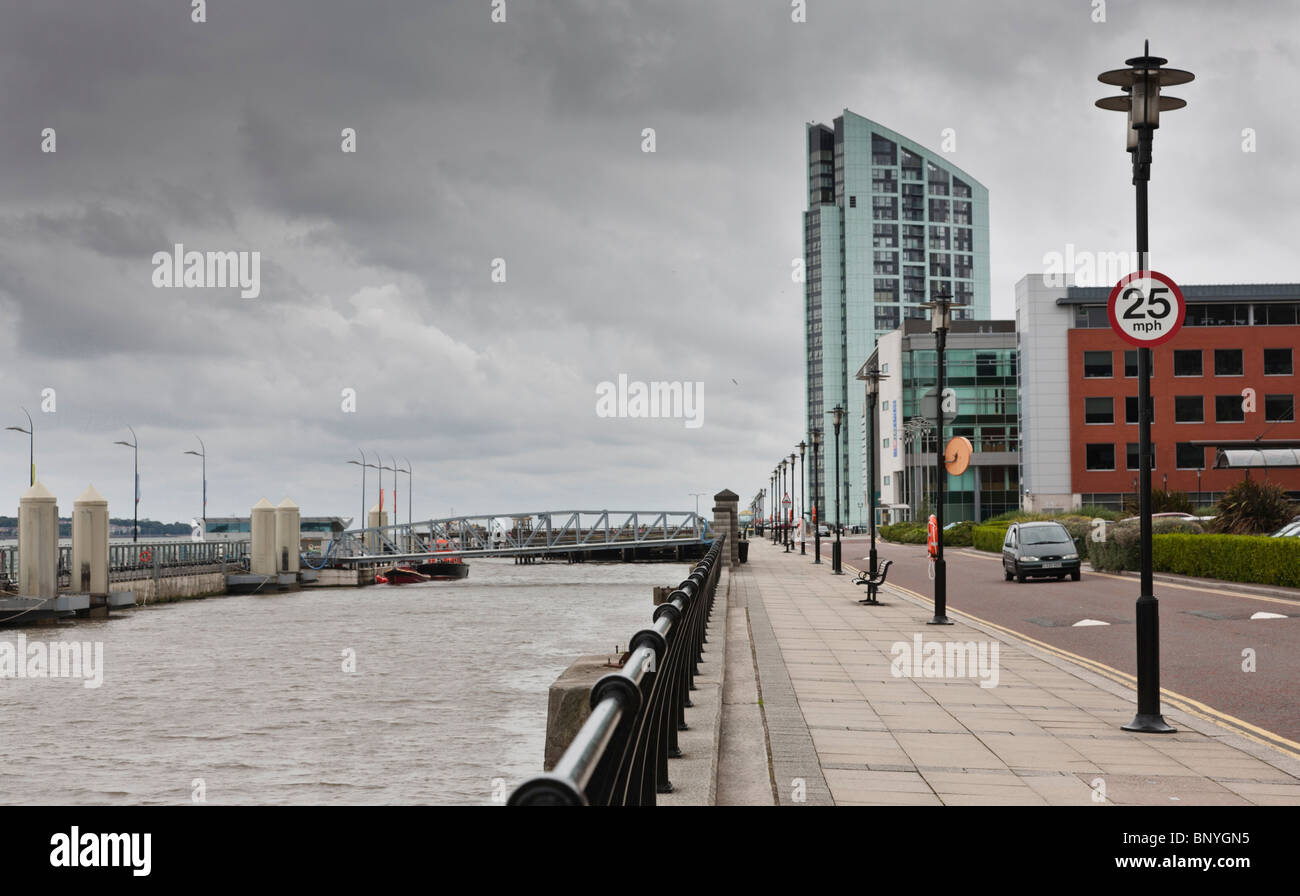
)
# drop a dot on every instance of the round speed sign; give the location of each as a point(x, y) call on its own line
point(1146, 308)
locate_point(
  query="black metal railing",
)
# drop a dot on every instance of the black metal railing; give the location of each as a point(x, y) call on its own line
point(620, 755)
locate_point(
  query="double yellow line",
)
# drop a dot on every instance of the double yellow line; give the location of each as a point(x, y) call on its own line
point(1179, 701)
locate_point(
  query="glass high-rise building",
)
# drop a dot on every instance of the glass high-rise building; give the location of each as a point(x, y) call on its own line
point(889, 224)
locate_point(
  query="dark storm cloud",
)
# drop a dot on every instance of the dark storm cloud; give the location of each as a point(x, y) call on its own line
point(522, 141)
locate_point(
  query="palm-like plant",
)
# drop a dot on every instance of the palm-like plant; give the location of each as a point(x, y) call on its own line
point(1252, 508)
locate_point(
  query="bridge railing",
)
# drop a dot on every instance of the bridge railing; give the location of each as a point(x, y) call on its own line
point(620, 755)
point(126, 560)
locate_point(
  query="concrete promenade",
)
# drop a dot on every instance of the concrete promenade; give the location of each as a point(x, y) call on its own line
point(841, 728)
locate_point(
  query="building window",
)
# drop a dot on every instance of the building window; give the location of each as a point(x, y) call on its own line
point(886, 480)
point(1187, 362)
point(1131, 409)
point(1279, 408)
point(853, 202)
point(1100, 456)
point(1132, 459)
point(1131, 364)
point(1188, 456)
point(1227, 362)
point(1097, 364)
point(1228, 409)
point(1189, 409)
point(1099, 410)
point(1277, 362)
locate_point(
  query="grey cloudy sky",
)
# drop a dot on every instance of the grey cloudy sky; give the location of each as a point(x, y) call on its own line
point(522, 140)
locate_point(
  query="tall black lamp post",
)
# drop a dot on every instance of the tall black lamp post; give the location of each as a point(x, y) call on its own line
point(31, 446)
point(134, 445)
point(776, 502)
point(816, 436)
point(203, 454)
point(837, 416)
point(872, 376)
point(1142, 82)
point(940, 321)
point(792, 516)
point(804, 507)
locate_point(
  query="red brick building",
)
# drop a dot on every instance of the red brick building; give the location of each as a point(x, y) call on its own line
point(1230, 374)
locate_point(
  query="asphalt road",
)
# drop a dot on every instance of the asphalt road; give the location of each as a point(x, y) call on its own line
point(1204, 628)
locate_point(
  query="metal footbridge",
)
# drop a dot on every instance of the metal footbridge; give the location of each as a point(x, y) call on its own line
point(536, 534)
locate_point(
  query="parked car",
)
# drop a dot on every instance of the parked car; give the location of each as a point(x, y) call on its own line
point(824, 531)
point(1290, 530)
point(1039, 549)
point(1171, 515)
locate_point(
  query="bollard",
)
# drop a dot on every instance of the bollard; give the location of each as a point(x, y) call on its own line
point(262, 524)
point(38, 543)
point(726, 505)
point(90, 541)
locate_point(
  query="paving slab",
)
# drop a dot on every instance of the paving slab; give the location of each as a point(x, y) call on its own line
point(852, 717)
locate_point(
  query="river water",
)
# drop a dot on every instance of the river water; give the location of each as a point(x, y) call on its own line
point(246, 698)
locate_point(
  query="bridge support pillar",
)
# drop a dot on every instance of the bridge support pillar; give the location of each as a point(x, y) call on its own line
point(378, 520)
point(90, 543)
point(726, 520)
point(38, 543)
point(261, 523)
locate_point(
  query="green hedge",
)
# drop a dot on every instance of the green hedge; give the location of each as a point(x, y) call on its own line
point(1121, 550)
point(1232, 558)
point(905, 532)
point(989, 538)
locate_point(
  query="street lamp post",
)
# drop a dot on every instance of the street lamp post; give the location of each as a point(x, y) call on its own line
point(1142, 82)
point(792, 515)
point(203, 454)
point(872, 377)
point(410, 491)
point(31, 446)
point(804, 535)
point(940, 320)
point(816, 436)
point(776, 496)
point(838, 417)
point(134, 445)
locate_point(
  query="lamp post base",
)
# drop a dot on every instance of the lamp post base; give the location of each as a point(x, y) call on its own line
point(940, 620)
point(835, 559)
point(1149, 723)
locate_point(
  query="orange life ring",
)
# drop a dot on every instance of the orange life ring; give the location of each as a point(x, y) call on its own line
point(146, 555)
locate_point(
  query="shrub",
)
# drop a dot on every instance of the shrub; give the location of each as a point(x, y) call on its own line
point(1162, 502)
point(959, 536)
point(1233, 558)
point(1121, 550)
point(1252, 508)
point(1092, 512)
point(904, 532)
point(989, 537)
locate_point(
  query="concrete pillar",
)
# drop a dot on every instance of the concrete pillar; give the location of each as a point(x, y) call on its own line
point(378, 520)
point(262, 524)
point(726, 518)
point(288, 536)
point(38, 543)
point(90, 543)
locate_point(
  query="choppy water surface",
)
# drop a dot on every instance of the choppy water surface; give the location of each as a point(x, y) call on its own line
point(249, 693)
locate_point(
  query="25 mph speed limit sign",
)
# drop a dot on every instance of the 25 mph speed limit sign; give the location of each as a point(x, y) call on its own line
point(1146, 308)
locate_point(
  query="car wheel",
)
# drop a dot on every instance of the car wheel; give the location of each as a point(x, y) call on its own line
point(1020, 576)
point(1076, 575)
point(1006, 572)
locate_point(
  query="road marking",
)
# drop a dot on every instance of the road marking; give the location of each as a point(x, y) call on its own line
point(1164, 584)
point(1262, 615)
point(1179, 701)
point(1090, 622)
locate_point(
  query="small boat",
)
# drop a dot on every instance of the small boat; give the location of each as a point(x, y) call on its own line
point(400, 575)
point(448, 568)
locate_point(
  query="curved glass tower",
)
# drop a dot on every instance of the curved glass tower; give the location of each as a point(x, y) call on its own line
point(889, 224)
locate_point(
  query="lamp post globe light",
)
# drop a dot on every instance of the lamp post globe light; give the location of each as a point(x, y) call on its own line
point(940, 321)
point(1143, 102)
point(837, 417)
point(816, 437)
point(804, 539)
point(31, 446)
